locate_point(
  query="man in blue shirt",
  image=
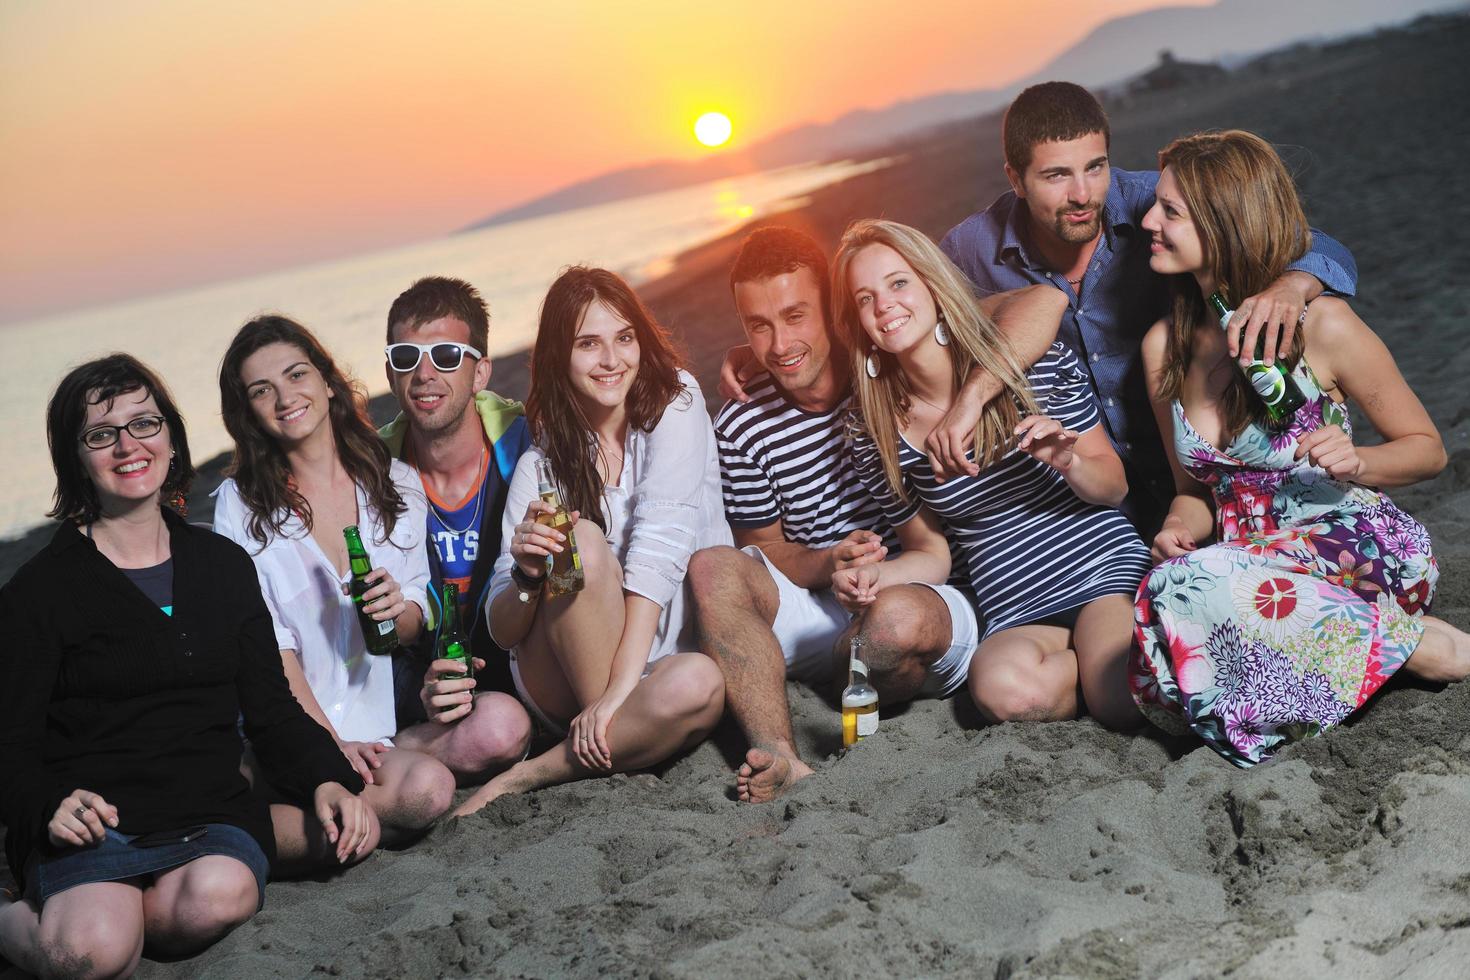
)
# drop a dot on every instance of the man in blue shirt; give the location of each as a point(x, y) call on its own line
point(1074, 222)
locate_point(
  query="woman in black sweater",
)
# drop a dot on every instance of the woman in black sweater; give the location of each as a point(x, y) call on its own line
point(134, 642)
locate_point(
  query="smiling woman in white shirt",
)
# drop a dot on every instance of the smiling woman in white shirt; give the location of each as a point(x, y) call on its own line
point(633, 453)
point(308, 464)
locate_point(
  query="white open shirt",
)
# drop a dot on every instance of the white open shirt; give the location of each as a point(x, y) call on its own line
point(311, 615)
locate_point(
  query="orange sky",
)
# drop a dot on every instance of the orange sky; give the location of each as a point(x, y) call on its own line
point(148, 145)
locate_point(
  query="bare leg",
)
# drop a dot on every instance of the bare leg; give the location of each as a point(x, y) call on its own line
point(735, 603)
point(1025, 673)
point(302, 846)
point(191, 907)
point(490, 738)
point(1103, 639)
point(410, 790)
point(1443, 653)
point(904, 632)
point(671, 709)
point(566, 658)
point(93, 930)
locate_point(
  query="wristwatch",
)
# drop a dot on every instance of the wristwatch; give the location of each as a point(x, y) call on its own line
point(528, 585)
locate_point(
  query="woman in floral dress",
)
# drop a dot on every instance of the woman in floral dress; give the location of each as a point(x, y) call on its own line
point(1316, 589)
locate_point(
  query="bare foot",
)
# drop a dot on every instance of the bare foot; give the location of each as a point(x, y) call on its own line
point(765, 775)
point(1443, 654)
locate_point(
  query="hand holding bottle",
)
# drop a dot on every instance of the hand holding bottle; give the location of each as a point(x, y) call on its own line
point(448, 693)
point(533, 543)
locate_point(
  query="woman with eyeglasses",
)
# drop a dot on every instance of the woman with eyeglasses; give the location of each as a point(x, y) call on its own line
point(307, 465)
point(633, 453)
point(134, 643)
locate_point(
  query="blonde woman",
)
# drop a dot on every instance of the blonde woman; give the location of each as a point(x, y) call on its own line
point(1052, 562)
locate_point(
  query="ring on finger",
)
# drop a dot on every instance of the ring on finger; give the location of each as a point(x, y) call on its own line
point(80, 812)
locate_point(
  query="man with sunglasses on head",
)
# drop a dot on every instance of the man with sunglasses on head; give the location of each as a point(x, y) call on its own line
point(465, 441)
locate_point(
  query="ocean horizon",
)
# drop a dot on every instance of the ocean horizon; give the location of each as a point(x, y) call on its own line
point(183, 334)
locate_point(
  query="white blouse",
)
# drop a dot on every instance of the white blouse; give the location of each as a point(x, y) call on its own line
point(313, 617)
point(666, 506)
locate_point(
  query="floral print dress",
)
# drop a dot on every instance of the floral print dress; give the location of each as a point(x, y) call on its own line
point(1307, 604)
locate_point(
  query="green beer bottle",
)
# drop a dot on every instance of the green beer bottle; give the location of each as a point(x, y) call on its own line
point(1277, 388)
point(451, 644)
point(379, 636)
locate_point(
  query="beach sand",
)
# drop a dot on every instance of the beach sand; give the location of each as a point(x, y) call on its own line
point(1021, 850)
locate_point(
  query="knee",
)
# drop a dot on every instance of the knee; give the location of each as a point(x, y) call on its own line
point(713, 569)
point(93, 947)
point(1011, 693)
point(500, 730)
point(888, 629)
point(693, 690)
point(598, 562)
point(425, 795)
point(217, 896)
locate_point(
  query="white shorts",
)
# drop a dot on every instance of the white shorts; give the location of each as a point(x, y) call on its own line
point(949, 673)
point(807, 624)
point(542, 718)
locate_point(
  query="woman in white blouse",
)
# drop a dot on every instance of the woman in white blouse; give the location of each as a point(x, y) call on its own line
point(633, 453)
point(307, 464)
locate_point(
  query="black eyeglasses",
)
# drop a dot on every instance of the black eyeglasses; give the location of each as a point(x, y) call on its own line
point(445, 356)
point(102, 436)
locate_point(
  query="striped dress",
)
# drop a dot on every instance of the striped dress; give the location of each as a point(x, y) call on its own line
point(1034, 548)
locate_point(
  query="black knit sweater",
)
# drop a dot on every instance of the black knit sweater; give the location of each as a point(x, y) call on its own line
point(101, 690)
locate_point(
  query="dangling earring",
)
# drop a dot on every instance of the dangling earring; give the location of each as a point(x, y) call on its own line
point(941, 333)
point(870, 363)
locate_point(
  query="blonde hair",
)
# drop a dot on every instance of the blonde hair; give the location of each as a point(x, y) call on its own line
point(974, 341)
point(1251, 226)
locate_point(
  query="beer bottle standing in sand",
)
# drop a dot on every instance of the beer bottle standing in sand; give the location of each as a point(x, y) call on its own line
point(451, 643)
point(1277, 388)
point(859, 700)
point(379, 635)
point(563, 568)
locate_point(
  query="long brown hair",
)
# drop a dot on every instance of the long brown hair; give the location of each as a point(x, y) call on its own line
point(974, 340)
point(1251, 226)
point(558, 425)
point(260, 468)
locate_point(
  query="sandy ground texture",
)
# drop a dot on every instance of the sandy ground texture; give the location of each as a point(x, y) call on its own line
point(939, 848)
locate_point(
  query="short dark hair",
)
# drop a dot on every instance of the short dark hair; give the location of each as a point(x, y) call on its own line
point(1047, 113)
point(775, 250)
point(439, 296)
point(93, 383)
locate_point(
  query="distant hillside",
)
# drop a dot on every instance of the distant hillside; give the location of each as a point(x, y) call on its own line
point(1230, 31)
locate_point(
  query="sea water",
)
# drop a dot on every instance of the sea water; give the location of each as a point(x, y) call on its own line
point(183, 335)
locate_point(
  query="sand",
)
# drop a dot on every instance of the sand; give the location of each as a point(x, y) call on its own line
point(1021, 850)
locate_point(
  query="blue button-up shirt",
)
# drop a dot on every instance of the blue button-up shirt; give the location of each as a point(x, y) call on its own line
point(1121, 300)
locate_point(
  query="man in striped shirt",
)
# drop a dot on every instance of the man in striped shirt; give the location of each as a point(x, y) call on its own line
point(799, 512)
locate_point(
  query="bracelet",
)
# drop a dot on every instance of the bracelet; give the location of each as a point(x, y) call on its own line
point(528, 585)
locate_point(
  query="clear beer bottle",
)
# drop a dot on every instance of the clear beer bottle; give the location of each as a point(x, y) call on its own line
point(859, 699)
point(564, 568)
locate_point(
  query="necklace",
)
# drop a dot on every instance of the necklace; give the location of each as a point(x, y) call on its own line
point(926, 401)
point(474, 515)
point(605, 453)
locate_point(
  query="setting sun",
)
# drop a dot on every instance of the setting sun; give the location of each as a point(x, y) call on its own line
point(712, 129)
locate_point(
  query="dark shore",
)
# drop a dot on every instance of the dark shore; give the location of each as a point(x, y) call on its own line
point(938, 848)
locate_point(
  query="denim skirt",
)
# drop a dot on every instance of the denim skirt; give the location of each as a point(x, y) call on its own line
point(117, 858)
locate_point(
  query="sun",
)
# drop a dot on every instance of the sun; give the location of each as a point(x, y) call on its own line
point(712, 129)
